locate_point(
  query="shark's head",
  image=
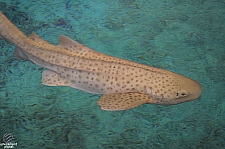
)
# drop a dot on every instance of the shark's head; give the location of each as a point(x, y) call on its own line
point(183, 89)
point(174, 89)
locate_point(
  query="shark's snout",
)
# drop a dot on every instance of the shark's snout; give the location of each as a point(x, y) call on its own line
point(194, 89)
point(190, 90)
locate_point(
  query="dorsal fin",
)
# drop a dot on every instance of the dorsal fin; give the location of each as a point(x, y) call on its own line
point(74, 47)
point(68, 43)
point(37, 38)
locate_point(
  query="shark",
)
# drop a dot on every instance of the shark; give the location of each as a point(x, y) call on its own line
point(123, 84)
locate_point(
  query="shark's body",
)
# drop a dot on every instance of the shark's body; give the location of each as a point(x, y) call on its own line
point(124, 84)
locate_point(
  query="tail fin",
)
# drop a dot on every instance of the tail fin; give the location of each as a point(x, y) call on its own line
point(10, 32)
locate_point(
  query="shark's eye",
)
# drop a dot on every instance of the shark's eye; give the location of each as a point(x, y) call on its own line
point(183, 94)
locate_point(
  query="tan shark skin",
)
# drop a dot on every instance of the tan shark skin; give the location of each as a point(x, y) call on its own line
point(124, 84)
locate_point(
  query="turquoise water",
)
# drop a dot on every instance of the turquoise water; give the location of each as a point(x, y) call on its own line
point(186, 37)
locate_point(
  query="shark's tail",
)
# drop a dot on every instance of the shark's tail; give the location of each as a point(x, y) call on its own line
point(10, 32)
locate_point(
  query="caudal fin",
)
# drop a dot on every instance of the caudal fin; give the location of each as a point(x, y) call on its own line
point(10, 32)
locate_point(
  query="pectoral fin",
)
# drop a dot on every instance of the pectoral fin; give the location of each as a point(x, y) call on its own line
point(115, 102)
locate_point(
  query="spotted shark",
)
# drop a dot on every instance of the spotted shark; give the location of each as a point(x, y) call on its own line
point(123, 84)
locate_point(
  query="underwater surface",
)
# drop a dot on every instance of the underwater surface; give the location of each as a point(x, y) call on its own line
point(186, 37)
